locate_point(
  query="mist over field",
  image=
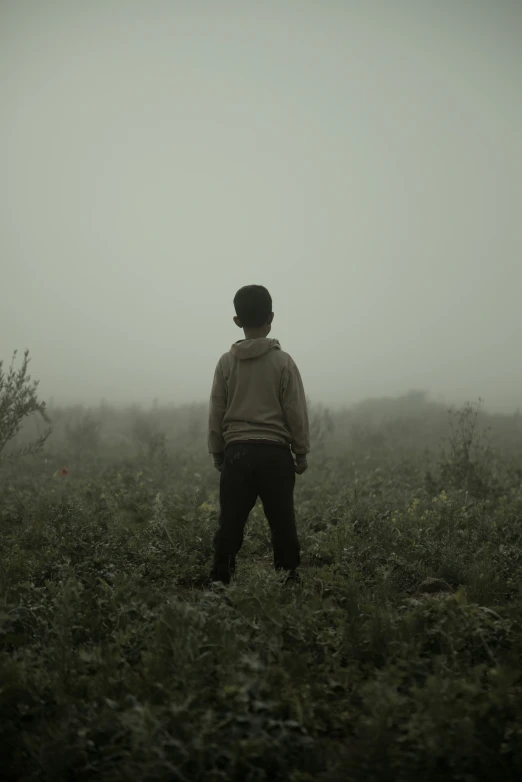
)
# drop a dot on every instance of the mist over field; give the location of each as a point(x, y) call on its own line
point(361, 160)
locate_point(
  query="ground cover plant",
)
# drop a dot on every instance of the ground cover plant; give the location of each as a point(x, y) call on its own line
point(398, 658)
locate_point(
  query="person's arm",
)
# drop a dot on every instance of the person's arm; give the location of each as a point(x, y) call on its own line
point(293, 401)
point(218, 406)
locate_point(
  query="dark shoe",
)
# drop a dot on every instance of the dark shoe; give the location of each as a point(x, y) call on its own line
point(224, 578)
point(223, 569)
point(293, 577)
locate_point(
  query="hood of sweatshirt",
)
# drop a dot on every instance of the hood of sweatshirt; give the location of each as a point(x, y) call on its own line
point(254, 348)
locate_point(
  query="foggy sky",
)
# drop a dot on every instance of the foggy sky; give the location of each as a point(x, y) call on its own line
point(363, 160)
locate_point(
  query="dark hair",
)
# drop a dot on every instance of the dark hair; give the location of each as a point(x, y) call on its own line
point(253, 305)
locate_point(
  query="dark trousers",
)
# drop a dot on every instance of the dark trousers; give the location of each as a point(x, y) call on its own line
point(251, 471)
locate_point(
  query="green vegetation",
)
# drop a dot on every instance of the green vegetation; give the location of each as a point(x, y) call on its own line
point(118, 662)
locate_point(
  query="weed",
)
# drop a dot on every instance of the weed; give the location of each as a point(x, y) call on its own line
point(117, 661)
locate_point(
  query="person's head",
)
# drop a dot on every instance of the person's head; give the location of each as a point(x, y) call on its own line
point(253, 305)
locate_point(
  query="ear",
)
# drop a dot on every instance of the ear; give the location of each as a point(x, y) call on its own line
point(270, 318)
point(237, 321)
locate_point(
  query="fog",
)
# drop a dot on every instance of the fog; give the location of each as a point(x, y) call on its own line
point(363, 160)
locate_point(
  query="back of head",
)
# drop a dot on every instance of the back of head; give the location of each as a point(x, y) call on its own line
point(253, 305)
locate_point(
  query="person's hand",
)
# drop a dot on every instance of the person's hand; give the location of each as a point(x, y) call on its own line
point(219, 461)
point(301, 464)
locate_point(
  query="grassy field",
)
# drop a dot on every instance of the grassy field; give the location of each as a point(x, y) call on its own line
point(118, 662)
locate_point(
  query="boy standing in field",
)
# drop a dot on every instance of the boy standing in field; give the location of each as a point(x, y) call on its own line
point(258, 417)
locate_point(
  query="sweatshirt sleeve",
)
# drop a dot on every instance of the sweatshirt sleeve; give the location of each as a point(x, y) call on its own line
point(218, 406)
point(293, 402)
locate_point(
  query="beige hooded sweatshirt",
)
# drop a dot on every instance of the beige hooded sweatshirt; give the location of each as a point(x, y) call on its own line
point(258, 393)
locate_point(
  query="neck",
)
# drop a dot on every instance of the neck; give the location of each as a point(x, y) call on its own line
point(259, 333)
